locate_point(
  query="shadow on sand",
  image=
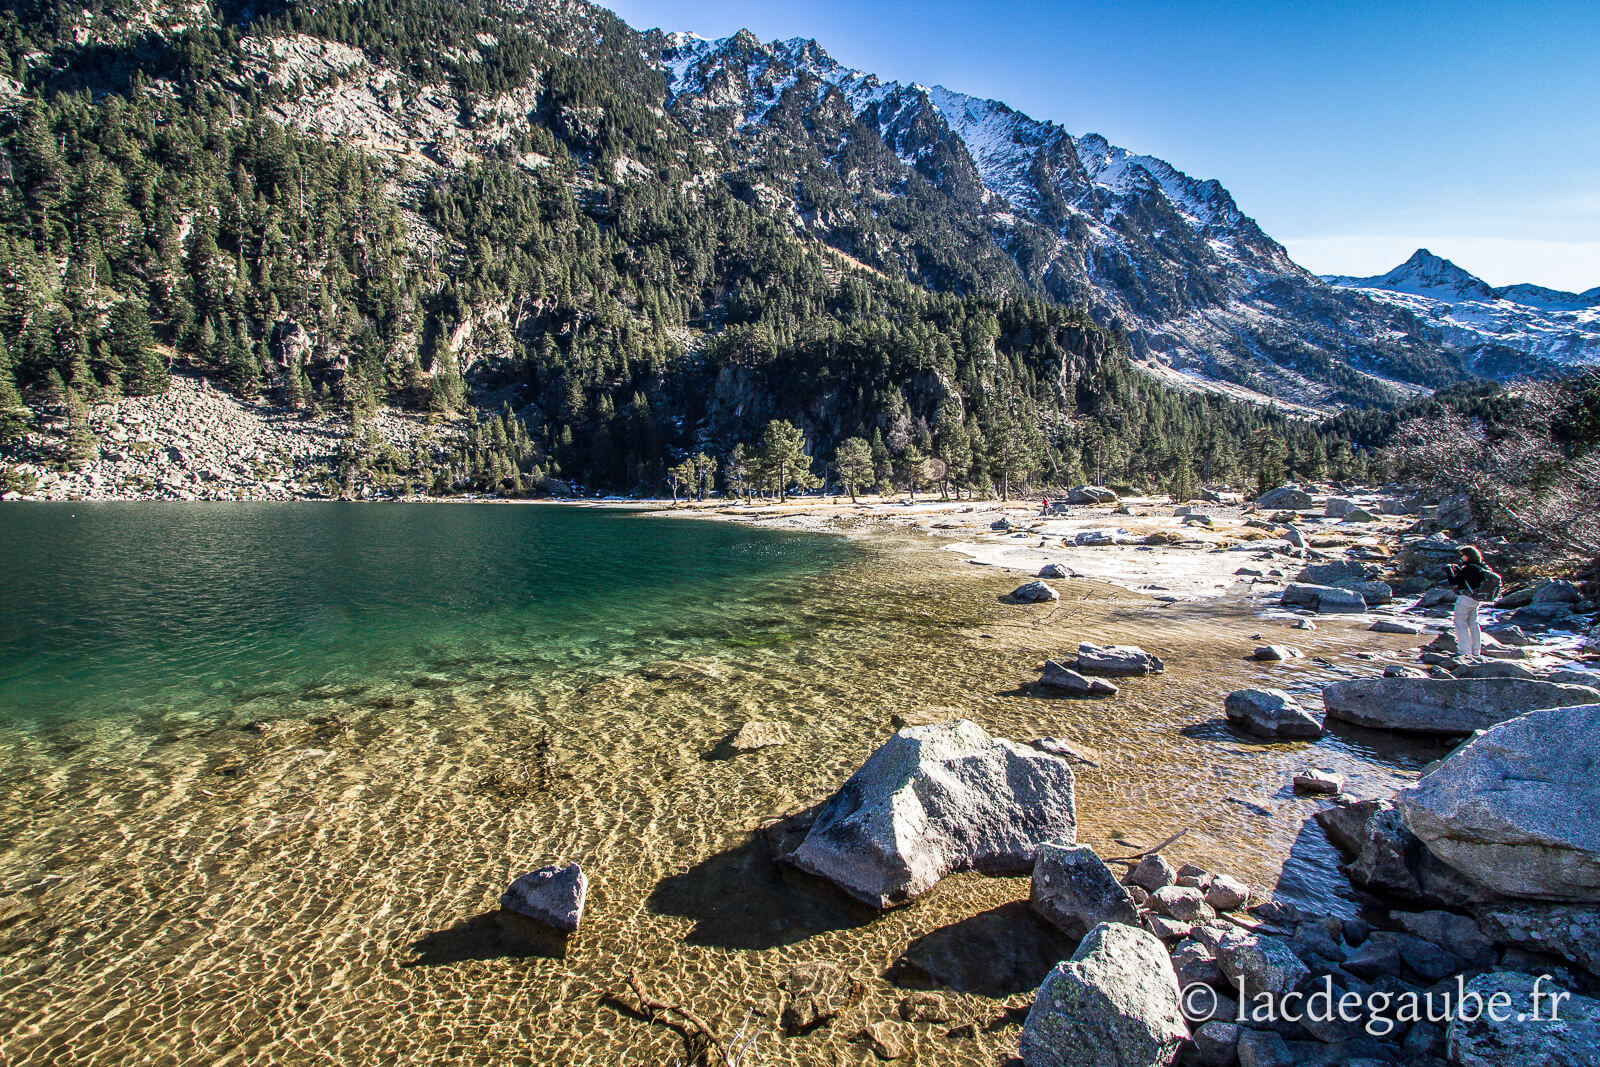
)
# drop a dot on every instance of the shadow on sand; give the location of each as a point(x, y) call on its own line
point(491, 936)
point(997, 953)
point(743, 898)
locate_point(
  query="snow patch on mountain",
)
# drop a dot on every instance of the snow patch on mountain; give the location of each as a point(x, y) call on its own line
point(1547, 324)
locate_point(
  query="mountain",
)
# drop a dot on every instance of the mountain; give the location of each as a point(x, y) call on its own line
point(581, 252)
point(965, 194)
point(1500, 332)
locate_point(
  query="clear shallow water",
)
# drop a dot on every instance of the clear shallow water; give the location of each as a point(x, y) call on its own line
point(119, 608)
point(265, 770)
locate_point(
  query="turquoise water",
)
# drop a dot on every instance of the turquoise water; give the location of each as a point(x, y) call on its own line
point(216, 610)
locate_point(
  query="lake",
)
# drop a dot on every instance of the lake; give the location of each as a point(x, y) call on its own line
point(266, 769)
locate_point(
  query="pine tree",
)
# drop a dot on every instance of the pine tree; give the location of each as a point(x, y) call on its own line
point(13, 414)
point(854, 462)
point(783, 455)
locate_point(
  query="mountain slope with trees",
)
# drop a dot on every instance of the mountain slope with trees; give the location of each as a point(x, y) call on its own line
point(505, 216)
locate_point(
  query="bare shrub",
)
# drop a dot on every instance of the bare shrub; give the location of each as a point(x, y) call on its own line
point(1534, 476)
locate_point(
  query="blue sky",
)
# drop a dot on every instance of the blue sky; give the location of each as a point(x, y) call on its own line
point(1354, 132)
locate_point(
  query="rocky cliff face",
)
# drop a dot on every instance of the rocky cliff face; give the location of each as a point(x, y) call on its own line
point(966, 194)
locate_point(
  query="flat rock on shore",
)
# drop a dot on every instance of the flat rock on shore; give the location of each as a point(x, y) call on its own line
point(1447, 706)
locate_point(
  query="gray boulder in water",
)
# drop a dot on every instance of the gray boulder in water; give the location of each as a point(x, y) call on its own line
point(1115, 1002)
point(933, 800)
point(550, 895)
point(1075, 891)
point(1072, 683)
point(1034, 593)
point(1447, 706)
point(1514, 808)
point(1271, 713)
point(1117, 660)
point(1323, 599)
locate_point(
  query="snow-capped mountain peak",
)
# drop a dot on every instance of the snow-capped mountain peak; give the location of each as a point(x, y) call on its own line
point(1493, 326)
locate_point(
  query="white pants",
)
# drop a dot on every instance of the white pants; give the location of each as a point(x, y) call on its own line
point(1469, 641)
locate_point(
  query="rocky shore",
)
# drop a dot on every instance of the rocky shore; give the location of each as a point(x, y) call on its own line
point(1479, 885)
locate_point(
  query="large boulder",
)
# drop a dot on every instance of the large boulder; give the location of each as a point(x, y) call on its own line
point(1285, 496)
point(1117, 660)
point(1447, 706)
point(1323, 599)
point(1115, 1002)
point(937, 799)
point(1271, 713)
point(1336, 571)
point(1517, 1030)
point(1337, 507)
point(1372, 593)
point(550, 895)
point(1514, 808)
point(1091, 494)
point(1075, 892)
point(1070, 682)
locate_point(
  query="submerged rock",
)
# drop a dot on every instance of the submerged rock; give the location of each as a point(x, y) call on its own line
point(1115, 1002)
point(1446, 706)
point(816, 992)
point(757, 735)
point(550, 895)
point(1271, 713)
point(1069, 681)
point(937, 799)
point(1117, 660)
point(1074, 891)
point(1514, 808)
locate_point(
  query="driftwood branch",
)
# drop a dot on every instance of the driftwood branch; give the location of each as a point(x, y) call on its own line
point(1151, 850)
point(702, 1040)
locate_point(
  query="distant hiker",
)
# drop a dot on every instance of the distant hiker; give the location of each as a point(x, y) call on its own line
point(1044, 506)
point(1474, 584)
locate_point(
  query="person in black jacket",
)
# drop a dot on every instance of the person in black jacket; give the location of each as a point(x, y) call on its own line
point(1474, 584)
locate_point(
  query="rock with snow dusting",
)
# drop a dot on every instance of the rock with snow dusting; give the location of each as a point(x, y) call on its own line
point(937, 799)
